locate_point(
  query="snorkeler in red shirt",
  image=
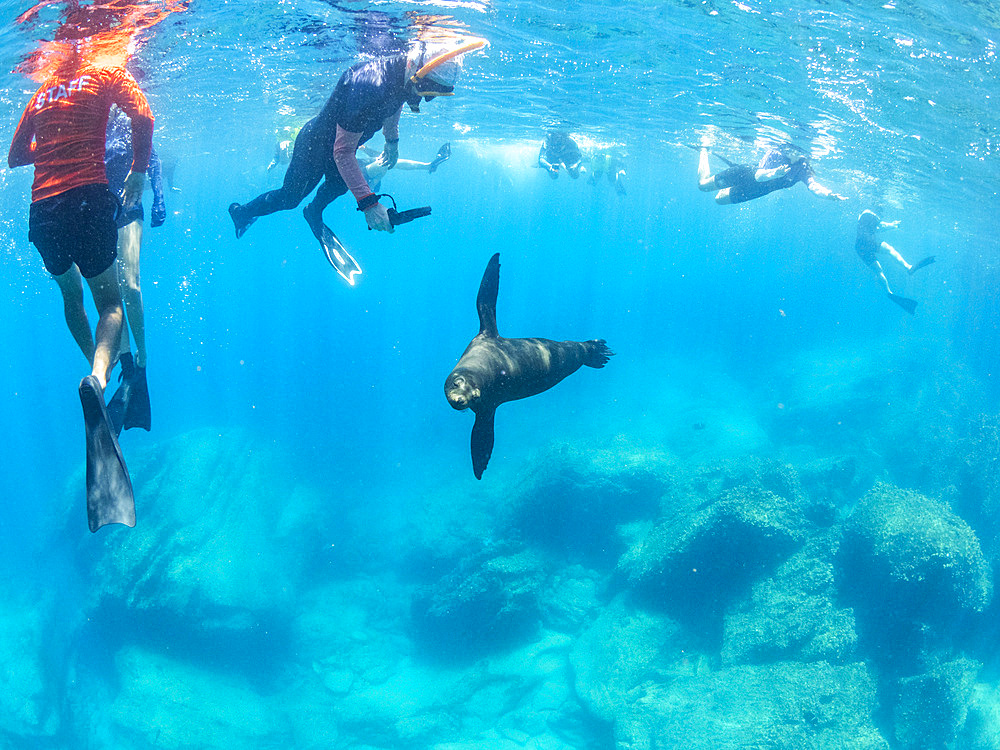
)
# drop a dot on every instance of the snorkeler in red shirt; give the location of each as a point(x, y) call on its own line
point(72, 224)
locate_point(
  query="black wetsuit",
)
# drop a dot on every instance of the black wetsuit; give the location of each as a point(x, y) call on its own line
point(365, 96)
point(559, 148)
point(743, 184)
point(866, 244)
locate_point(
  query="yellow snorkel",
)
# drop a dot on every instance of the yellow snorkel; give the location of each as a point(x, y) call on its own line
point(419, 79)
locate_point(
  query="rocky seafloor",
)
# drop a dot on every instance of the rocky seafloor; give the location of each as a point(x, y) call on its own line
point(616, 597)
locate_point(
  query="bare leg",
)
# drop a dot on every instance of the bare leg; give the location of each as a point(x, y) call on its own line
point(129, 243)
point(877, 268)
point(108, 300)
point(706, 180)
point(895, 254)
point(71, 286)
point(723, 197)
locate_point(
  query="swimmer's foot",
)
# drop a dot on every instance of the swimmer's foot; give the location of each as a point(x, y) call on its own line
point(240, 220)
point(443, 154)
point(925, 262)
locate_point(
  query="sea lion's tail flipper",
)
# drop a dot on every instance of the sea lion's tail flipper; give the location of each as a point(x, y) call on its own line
point(109, 489)
point(910, 305)
point(482, 440)
point(486, 304)
point(598, 353)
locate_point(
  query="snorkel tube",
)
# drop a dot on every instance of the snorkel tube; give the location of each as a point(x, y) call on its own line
point(428, 88)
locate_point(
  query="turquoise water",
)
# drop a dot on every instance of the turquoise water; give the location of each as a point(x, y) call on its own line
point(314, 564)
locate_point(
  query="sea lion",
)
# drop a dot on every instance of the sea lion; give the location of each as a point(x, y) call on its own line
point(494, 370)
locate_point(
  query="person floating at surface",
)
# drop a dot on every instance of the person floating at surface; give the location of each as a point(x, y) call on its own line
point(560, 150)
point(376, 168)
point(742, 182)
point(283, 147)
point(368, 98)
point(867, 245)
point(129, 407)
point(72, 224)
point(610, 164)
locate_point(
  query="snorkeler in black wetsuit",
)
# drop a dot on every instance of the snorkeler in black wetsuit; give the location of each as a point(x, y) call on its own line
point(743, 182)
point(369, 97)
point(559, 149)
point(867, 244)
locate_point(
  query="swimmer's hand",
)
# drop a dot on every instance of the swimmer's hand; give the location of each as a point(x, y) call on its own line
point(890, 224)
point(135, 183)
point(390, 155)
point(836, 197)
point(378, 218)
point(766, 175)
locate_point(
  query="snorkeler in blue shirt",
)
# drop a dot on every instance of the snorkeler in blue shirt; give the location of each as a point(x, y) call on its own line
point(129, 407)
point(743, 182)
point(368, 98)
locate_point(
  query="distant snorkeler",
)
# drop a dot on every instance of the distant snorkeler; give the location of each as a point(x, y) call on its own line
point(560, 150)
point(867, 245)
point(778, 169)
point(375, 168)
point(368, 98)
point(608, 163)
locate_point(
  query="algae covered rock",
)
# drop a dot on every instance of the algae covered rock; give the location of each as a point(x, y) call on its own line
point(696, 561)
point(575, 499)
point(619, 651)
point(30, 646)
point(908, 556)
point(172, 704)
point(931, 708)
point(487, 603)
point(222, 536)
point(783, 706)
point(793, 615)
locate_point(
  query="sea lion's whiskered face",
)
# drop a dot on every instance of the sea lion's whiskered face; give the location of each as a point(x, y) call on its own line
point(461, 391)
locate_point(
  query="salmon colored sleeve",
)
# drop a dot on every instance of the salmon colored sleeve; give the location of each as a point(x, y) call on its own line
point(22, 146)
point(130, 99)
point(345, 149)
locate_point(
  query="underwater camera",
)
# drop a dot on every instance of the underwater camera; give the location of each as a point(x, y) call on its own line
point(403, 217)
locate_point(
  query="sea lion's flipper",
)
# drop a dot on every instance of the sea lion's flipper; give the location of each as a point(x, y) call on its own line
point(109, 489)
point(486, 304)
point(598, 353)
point(482, 440)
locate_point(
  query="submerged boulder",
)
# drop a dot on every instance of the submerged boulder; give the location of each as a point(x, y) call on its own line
point(30, 648)
point(619, 651)
point(162, 702)
point(576, 498)
point(793, 615)
point(906, 556)
point(488, 603)
point(696, 561)
point(783, 706)
point(930, 709)
point(222, 538)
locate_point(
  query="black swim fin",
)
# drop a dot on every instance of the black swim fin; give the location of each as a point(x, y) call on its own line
point(482, 442)
point(109, 488)
point(241, 224)
point(922, 264)
point(341, 260)
point(137, 411)
point(910, 305)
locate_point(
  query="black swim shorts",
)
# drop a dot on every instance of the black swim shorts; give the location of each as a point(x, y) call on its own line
point(77, 226)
